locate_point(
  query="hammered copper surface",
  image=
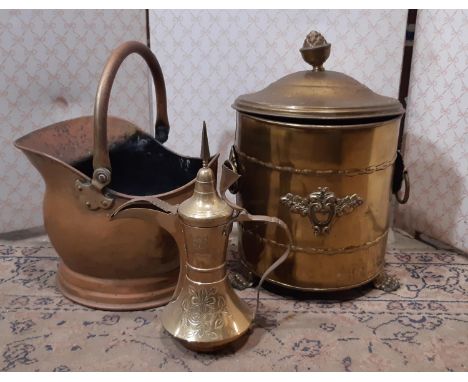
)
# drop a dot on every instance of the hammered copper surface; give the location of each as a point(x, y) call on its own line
point(116, 265)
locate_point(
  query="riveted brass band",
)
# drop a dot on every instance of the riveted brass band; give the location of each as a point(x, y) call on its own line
point(320, 251)
point(306, 171)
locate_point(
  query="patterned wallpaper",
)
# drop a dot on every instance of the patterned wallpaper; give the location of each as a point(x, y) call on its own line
point(436, 146)
point(50, 65)
point(209, 57)
point(51, 60)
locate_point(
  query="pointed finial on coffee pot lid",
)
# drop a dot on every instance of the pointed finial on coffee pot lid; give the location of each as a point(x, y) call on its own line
point(205, 208)
point(205, 148)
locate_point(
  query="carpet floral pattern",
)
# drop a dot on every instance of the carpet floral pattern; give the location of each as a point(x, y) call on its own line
point(422, 326)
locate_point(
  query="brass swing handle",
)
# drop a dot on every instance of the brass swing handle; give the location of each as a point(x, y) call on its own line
point(400, 175)
point(101, 161)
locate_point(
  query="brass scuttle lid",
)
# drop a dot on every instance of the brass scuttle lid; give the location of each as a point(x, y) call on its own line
point(205, 208)
point(318, 93)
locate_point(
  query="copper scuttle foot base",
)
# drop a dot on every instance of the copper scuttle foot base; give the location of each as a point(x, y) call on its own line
point(115, 295)
point(386, 282)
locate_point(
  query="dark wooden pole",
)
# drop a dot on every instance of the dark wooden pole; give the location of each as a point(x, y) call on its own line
point(406, 66)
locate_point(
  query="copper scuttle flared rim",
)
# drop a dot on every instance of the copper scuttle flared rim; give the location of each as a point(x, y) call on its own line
point(22, 144)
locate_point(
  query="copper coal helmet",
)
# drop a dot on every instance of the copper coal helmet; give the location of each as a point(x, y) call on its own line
point(205, 313)
point(89, 170)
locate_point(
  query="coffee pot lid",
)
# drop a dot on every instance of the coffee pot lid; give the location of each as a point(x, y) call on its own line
point(318, 93)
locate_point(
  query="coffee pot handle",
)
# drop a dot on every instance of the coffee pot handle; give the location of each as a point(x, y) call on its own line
point(244, 217)
point(230, 177)
point(101, 161)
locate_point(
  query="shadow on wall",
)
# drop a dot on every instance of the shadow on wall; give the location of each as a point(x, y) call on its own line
point(434, 207)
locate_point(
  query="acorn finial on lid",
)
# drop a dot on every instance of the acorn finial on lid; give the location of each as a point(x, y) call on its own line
point(314, 40)
point(315, 50)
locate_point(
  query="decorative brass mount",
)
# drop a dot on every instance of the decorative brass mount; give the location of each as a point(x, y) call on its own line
point(322, 203)
point(91, 197)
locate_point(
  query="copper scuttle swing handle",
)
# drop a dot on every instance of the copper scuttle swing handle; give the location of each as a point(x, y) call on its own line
point(101, 161)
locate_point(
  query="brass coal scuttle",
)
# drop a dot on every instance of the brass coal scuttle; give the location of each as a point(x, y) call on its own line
point(317, 149)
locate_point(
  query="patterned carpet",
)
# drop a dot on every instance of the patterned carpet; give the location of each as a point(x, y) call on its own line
point(422, 326)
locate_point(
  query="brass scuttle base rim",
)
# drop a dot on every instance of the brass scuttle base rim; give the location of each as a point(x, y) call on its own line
point(321, 290)
point(213, 346)
point(270, 281)
point(82, 289)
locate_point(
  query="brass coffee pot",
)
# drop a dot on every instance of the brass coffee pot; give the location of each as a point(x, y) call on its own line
point(205, 312)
